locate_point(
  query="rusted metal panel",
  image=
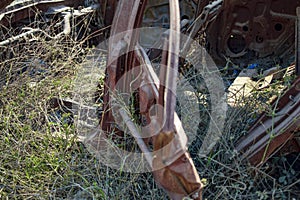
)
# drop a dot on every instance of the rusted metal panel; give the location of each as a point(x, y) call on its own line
point(273, 130)
point(247, 31)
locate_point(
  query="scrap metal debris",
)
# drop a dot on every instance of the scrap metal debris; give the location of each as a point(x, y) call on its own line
point(275, 129)
point(259, 31)
point(173, 167)
point(243, 31)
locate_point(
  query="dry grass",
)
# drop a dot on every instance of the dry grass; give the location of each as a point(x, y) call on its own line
point(227, 176)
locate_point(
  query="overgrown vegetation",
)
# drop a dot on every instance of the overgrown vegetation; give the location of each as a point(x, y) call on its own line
point(41, 157)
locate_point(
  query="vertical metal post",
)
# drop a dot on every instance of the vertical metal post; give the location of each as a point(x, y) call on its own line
point(297, 42)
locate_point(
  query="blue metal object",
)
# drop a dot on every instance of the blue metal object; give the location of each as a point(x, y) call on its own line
point(252, 66)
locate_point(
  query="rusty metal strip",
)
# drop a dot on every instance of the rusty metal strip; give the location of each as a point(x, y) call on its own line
point(114, 67)
point(175, 171)
point(272, 132)
point(151, 79)
point(171, 139)
point(170, 67)
point(169, 147)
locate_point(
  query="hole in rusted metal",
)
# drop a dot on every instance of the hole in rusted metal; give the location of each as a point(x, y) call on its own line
point(184, 17)
point(245, 28)
point(259, 39)
point(236, 43)
point(203, 16)
point(278, 27)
